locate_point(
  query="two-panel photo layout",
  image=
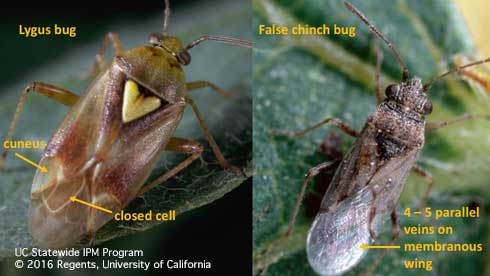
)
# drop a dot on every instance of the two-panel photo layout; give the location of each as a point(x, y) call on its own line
point(245, 137)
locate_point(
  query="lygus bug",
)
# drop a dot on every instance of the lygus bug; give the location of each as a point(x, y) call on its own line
point(371, 176)
point(110, 140)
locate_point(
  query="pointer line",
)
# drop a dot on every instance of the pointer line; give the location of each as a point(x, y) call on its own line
point(75, 199)
point(42, 169)
point(365, 246)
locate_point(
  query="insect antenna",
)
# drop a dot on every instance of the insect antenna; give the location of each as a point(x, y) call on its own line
point(222, 39)
point(166, 17)
point(456, 69)
point(376, 32)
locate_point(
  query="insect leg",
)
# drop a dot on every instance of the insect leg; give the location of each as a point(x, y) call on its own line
point(427, 176)
point(312, 172)
point(179, 145)
point(372, 214)
point(217, 152)
point(202, 84)
point(396, 225)
point(396, 232)
point(329, 121)
point(431, 126)
point(379, 81)
point(99, 60)
point(58, 94)
point(91, 234)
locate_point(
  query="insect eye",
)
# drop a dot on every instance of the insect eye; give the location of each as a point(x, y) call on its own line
point(184, 57)
point(156, 39)
point(427, 107)
point(392, 90)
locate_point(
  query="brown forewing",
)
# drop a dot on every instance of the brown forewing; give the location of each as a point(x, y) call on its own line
point(97, 158)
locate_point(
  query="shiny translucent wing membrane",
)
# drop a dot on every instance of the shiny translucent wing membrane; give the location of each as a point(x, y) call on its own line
point(97, 158)
point(342, 225)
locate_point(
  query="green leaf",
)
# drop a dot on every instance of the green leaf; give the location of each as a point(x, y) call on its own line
point(301, 80)
point(228, 119)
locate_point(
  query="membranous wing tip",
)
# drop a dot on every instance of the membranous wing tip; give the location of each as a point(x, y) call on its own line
point(335, 237)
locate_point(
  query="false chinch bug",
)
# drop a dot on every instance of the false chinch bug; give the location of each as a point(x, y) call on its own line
point(370, 177)
point(107, 145)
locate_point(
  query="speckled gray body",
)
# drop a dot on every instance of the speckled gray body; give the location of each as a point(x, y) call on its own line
point(371, 175)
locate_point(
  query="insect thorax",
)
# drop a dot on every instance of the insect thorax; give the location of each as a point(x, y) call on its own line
point(144, 65)
point(397, 129)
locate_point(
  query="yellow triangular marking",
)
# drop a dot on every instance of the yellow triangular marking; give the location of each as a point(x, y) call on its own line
point(136, 105)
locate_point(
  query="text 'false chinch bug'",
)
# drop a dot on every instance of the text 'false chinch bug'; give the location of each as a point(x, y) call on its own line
point(370, 177)
point(107, 145)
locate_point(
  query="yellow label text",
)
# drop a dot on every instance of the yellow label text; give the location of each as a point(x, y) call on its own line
point(149, 216)
point(34, 31)
point(418, 264)
point(305, 29)
point(28, 144)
